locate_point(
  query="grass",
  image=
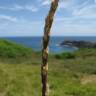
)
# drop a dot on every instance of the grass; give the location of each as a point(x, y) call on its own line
point(66, 55)
point(15, 53)
point(67, 76)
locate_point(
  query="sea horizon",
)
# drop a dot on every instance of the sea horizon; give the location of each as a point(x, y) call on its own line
point(35, 42)
point(50, 36)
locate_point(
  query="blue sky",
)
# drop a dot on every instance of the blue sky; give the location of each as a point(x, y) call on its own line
point(26, 17)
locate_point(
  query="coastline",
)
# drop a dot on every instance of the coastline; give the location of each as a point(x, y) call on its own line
point(35, 42)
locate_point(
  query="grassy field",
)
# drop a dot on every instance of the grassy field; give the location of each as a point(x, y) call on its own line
point(70, 74)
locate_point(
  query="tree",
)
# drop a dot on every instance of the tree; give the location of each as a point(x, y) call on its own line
point(47, 28)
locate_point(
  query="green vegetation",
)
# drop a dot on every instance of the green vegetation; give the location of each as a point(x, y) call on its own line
point(10, 51)
point(74, 74)
point(66, 55)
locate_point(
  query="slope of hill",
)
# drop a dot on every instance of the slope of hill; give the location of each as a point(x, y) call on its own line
point(75, 76)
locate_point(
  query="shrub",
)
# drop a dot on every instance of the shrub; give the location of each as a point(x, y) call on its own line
point(67, 55)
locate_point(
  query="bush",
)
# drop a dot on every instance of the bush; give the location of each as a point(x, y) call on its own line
point(67, 55)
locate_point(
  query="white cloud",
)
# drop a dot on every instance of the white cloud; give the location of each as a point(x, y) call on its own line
point(65, 4)
point(73, 29)
point(25, 28)
point(62, 3)
point(82, 20)
point(17, 7)
point(31, 8)
point(86, 12)
point(9, 18)
point(46, 2)
point(86, 9)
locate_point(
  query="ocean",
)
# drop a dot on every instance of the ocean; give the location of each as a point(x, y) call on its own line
point(36, 42)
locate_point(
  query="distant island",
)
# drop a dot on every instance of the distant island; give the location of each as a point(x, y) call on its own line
point(79, 44)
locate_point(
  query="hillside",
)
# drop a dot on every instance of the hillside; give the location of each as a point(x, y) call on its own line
point(12, 51)
point(70, 74)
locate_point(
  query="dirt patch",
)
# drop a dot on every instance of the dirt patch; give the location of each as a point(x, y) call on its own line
point(88, 79)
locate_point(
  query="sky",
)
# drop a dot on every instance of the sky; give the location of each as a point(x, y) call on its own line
point(27, 18)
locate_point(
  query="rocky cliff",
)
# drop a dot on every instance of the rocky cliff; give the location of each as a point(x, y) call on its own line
point(79, 44)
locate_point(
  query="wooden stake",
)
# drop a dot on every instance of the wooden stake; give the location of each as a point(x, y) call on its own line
point(44, 66)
